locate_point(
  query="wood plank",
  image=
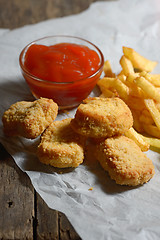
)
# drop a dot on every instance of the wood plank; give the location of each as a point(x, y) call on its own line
point(52, 224)
point(66, 231)
point(16, 200)
point(47, 221)
point(17, 13)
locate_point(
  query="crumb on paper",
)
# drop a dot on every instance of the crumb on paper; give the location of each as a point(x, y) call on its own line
point(90, 189)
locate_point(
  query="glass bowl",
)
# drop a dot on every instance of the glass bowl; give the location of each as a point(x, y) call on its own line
point(65, 94)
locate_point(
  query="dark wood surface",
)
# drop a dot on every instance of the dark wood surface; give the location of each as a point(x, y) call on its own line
point(23, 214)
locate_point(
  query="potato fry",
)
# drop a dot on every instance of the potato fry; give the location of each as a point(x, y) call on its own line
point(122, 78)
point(115, 83)
point(136, 103)
point(135, 91)
point(106, 82)
point(132, 77)
point(136, 123)
point(139, 90)
point(148, 88)
point(108, 70)
point(106, 92)
point(153, 78)
point(146, 117)
point(121, 88)
point(154, 142)
point(146, 113)
point(158, 89)
point(138, 61)
point(152, 130)
point(138, 139)
point(158, 105)
point(126, 65)
point(150, 105)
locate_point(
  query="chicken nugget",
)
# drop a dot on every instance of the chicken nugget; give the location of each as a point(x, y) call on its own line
point(124, 161)
point(60, 146)
point(102, 117)
point(29, 119)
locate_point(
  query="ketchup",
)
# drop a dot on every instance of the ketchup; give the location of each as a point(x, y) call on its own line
point(63, 62)
point(67, 68)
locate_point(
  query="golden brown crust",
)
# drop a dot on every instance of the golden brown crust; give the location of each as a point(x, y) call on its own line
point(60, 146)
point(124, 161)
point(102, 117)
point(29, 119)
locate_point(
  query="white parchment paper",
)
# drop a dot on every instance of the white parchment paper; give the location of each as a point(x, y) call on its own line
point(108, 211)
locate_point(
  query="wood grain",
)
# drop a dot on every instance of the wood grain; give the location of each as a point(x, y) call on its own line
point(66, 231)
point(16, 200)
point(16, 13)
point(47, 226)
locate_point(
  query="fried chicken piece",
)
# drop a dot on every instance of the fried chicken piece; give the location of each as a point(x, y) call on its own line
point(60, 146)
point(124, 161)
point(102, 117)
point(29, 119)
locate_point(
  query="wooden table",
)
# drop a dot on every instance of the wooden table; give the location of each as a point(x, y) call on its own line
point(23, 214)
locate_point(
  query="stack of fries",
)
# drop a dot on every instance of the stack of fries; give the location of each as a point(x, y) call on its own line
point(140, 90)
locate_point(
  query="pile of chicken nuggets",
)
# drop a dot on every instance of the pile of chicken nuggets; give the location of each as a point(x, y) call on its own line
point(62, 143)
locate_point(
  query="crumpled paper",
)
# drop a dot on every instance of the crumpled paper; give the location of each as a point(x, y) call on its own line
point(109, 211)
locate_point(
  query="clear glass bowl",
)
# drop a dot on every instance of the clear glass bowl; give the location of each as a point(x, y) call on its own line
point(65, 94)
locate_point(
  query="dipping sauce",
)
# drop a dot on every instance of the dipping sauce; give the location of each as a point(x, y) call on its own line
point(63, 62)
point(65, 72)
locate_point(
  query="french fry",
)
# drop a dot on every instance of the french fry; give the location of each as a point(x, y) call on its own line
point(132, 77)
point(106, 82)
point(136, 123)
point(108, 70)
point(126, 65)
point(122, 78)
point(151, 130)
point(148, 88)
point(145, 117)
point(138, 61)
point(115, 83)
point(136, 103)
point(135, 91)
point(158, 88)
point(121, 88)
point(139, 90)
point(153, 78)
point(138, 139)
point(154, 142)
point(106, 92)
point(146, 113)
point(150, 105)
point(158, 105)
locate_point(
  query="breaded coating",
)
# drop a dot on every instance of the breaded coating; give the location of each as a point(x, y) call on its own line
point(60, 146)
point(124, 161)
point(29, 119)
point(102, 117)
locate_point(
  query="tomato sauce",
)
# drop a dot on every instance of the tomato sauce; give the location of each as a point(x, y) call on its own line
point(66, 67)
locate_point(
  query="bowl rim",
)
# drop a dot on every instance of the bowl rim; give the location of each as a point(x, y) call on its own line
point(23, 51)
